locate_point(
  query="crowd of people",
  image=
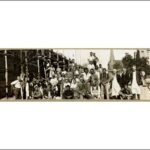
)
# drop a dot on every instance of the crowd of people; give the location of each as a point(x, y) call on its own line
point(90, 81)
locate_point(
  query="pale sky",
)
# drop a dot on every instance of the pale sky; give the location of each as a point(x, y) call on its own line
point(81, 55)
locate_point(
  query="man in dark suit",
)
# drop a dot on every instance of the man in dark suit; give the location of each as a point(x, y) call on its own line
point(125, 78)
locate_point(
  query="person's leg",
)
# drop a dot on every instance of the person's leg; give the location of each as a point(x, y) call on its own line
point(107, 90)
point(138, 92)
point(102, 91)
point(15, 93)
point(18, 94)
point(81, 96)
point(134, 96)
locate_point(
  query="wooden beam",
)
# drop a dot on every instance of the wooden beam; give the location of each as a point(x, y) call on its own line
point(6, 73)
point(38, 64)
point(26, 62)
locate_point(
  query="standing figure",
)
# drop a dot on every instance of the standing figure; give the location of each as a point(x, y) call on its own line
point(17, 87)
point(54, 86)
point(50, 70)
point(68, 93)
point(105, 79)
point(37, 93)
point(86, 75)
point(135, 83)
point(95, 84)
point(95, 60)
point(123, 78)
point(91, 57)
point(115, 87)
point(83, 89)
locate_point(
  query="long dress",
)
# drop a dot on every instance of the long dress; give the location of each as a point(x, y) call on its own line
point(135, 87)
point(27, 90)
point(115, 87)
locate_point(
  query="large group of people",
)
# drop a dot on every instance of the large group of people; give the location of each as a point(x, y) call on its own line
point(90, 81)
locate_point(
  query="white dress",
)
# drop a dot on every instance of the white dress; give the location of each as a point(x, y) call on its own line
point(135, 87)
point(73, 86)
point(27, 90)
point(86, 76)
point(115, 87)
point(95, 91)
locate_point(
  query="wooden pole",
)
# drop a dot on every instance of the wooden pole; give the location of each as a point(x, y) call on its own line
point(21, 62)
point(50, 56)
point(43, 61)
point(26, 72)
point(57, 59)
point(64, 60)
point(22, 73)
point(38, 64)
point(26, 61)
point(6, 73)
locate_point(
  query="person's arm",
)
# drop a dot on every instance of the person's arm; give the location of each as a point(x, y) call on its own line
point(14, 82)
point(130, 78)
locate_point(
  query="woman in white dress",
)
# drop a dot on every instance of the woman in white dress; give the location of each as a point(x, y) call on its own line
point(136, 91)
point(73, 86)
point(115, 90)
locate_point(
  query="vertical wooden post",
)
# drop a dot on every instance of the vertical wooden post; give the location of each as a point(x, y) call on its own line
point(26, 73)
point(57, 59)
point(22, 73)
point(50, 56)
point(43, 61)
point(38, 64)
point(26, 62)
point(42, 52)
point(69, 63)
point(21, 62)
point(63, 67)
point(63, 57)
point(6, 73)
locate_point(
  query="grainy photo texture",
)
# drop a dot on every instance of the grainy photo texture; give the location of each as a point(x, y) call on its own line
point(74, 74)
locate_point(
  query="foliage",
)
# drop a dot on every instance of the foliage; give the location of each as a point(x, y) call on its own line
point(118, 65)
point(140, 63)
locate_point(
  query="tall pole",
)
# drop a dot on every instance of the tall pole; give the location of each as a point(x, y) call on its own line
point(6, 73)
point(50, 56)
point(38, 64)
point(63, 57)
point(22, 73)
point(21, 62)
point(57, 59)
point(26, 61)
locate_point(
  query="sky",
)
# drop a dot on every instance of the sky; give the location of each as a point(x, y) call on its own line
point(81, 55)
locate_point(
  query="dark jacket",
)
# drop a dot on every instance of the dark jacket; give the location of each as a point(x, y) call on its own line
point(123, 79)
point(138, 78)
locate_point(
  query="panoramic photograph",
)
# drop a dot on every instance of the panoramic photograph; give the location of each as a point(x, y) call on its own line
point(74, 74)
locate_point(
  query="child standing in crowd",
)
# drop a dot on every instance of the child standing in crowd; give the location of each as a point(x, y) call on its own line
point(17, 84)
point(73, 86)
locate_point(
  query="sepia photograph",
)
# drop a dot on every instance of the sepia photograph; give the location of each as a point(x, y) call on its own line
point(74, 74)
